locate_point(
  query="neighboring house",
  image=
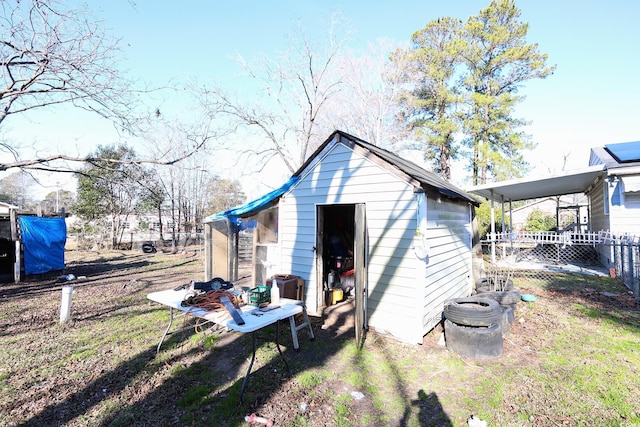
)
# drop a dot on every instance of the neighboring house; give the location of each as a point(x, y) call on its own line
point(611, 183)
point(6, 208)
point(410, 233)
point(615, 201)
point(572, 210)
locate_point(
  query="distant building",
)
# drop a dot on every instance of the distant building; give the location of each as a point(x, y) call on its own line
point(5, 208)
point(571, 211)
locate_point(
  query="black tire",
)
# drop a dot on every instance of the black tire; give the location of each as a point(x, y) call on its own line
point(148, 248)
point(487, 284)
point(476, 343)
point(504, 298)
point(473, 311)
point(505, 320)
point(512, 307)
point(510, 312)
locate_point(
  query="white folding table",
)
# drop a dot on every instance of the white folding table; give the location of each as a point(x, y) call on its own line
point(254, 320)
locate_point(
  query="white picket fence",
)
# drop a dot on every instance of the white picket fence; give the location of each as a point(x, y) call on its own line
point(549, 246)
point(566, 238)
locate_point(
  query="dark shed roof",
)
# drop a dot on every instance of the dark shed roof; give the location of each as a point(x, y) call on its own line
point(428, 180)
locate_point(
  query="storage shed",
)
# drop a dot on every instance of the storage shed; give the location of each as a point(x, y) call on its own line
point(30, 244)
point(400, 235)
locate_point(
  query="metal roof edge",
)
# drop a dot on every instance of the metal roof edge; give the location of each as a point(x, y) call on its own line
point(500, 188)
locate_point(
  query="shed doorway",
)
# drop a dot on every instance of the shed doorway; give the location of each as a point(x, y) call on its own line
point(340, 243)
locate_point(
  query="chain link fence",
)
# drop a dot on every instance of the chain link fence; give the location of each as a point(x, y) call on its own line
point(626, 258)
point(546, 255)
point(134, 241)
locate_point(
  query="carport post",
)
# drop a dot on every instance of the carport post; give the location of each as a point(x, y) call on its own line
point(493, 230)
point(511, 225)
point(208, 252)
point(504, 243)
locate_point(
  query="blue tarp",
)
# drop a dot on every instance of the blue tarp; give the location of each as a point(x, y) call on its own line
point(43, 241)
point(254, 206)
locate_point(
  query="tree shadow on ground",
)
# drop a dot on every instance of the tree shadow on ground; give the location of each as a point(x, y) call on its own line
point(87, 274)
point(202, 388)
point(197, 381)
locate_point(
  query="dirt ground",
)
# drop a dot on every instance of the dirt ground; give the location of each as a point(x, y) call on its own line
point(71, 394)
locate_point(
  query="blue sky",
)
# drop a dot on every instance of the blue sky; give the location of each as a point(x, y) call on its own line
point(591, 100)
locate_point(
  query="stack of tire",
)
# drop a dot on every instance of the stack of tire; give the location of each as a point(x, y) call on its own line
point(474, 326)
point(503, 292)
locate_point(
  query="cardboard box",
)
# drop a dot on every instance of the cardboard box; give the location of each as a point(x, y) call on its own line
point(290, 286)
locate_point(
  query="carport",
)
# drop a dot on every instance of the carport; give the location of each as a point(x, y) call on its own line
point(568, 182)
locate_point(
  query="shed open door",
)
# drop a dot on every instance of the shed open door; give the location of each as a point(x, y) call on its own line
point(360, 264)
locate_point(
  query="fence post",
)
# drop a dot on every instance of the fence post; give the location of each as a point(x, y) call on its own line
point(631, 269)
point(615, 254)
point(636, 276)
point(622, 260)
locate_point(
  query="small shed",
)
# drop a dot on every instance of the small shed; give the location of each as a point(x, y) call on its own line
point(406, 236)
point(30, 244)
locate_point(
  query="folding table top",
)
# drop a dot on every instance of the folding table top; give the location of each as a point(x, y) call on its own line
point(253, 317)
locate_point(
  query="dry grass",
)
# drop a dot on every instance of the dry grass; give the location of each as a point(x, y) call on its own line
point(571, 358)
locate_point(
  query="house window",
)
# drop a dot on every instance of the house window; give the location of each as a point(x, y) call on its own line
point(632, 200)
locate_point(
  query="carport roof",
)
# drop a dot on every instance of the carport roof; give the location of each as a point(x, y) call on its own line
point(568, 182)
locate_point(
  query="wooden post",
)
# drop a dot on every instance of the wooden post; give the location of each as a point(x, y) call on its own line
point(17, 265)
point(208, 252)
point(232, 250)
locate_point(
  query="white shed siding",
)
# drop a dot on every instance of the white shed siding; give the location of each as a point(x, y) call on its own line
point(344, 176)
point(447, 273)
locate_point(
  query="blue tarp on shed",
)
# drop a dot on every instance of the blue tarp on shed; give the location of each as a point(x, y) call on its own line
point(254, 206)
point(43, 241)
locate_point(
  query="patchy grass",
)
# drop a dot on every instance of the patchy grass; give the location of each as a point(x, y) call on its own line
point(571, 358)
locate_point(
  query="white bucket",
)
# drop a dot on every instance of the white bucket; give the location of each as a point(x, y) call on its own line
point(65, 304)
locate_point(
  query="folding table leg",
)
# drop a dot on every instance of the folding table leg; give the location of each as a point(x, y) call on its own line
point(166, 331)
point(294, 332)
point(307, 322)
point(253, 357)
point(278, 345)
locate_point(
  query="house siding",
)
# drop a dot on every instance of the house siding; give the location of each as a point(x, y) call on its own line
point(626, 217)
point(621, 218)
point(599, 220)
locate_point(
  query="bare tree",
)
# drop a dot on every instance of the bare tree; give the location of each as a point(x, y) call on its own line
point(187, 188)
point(296, 88)
point(367, 103)
point(52, 55)
point(16, 189)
